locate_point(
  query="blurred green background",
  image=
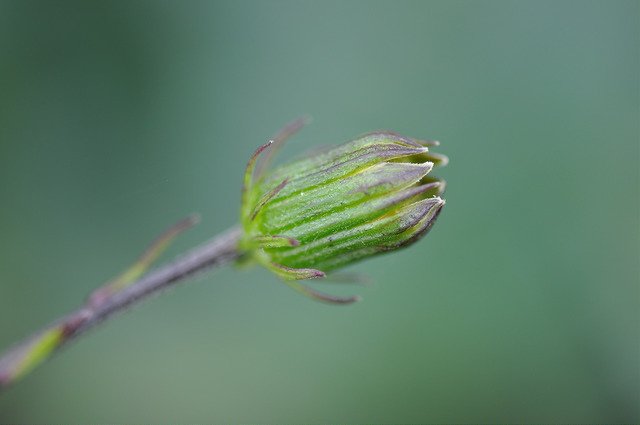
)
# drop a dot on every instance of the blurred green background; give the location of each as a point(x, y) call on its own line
point(522, 304)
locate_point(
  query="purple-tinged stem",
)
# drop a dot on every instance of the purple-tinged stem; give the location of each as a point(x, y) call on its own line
point(27, 354)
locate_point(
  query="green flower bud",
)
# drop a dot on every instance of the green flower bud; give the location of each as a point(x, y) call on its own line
point(318, 214)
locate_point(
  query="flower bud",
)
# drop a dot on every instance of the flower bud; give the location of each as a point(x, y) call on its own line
point(318, 214)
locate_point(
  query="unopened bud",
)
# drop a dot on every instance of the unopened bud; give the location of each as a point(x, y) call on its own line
point(368, 196)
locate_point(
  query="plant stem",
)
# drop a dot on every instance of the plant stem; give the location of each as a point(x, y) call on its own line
point(25, 355)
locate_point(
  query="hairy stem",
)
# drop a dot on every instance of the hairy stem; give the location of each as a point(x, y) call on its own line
point(25, 355)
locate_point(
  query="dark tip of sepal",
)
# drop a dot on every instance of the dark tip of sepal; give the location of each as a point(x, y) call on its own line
point(423, 216)
point(279, 139)
point(289, 273)
point(291, 276)
point(252, 161)
point(261, 149)
point(322, 296)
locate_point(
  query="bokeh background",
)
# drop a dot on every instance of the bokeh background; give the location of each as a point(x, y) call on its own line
point(522, 304)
